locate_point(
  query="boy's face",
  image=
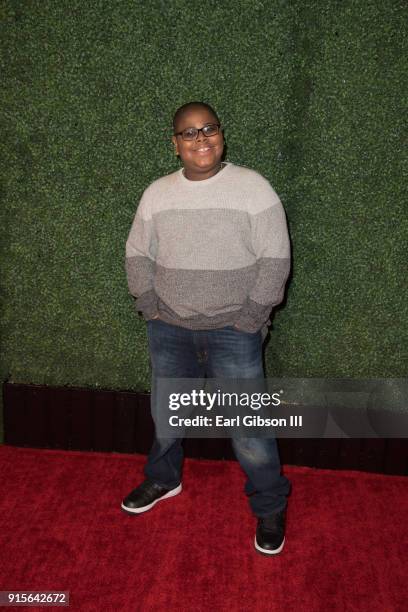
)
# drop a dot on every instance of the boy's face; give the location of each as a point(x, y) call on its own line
point(201, 157)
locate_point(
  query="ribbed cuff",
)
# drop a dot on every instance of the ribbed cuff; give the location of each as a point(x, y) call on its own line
point(252, 316)
point(147, 304)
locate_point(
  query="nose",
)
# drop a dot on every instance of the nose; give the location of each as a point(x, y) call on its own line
point(200, 132)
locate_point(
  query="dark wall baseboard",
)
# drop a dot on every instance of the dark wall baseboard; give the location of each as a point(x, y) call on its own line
point(119, 421)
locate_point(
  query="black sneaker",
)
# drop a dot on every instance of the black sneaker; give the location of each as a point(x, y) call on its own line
point(146, 495)
point(270, 533)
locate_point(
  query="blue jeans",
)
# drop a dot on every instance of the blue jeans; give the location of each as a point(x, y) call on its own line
point(177, 352)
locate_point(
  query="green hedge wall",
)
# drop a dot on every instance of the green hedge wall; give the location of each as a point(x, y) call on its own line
point(311, 94)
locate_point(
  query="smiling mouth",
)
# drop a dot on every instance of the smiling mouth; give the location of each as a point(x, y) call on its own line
point(203, 149)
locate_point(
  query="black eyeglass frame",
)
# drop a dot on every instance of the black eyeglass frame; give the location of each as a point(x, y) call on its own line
point(199, 130)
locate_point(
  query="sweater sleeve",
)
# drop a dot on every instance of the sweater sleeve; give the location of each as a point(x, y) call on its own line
point(270, 243)
point(140, 261)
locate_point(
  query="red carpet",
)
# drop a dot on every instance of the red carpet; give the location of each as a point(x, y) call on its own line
point(62, 529)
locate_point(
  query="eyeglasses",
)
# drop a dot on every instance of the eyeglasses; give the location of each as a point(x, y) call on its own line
point(191, 133)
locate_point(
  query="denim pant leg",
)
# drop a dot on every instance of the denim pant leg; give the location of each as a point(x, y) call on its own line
point(237, 354)
point(172, 355)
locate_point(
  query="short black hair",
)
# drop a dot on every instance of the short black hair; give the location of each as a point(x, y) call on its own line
point(190, 105)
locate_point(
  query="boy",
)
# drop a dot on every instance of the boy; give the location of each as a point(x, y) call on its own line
point(208, 257)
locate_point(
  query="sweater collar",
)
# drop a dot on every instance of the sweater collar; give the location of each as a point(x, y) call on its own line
point(225, 169)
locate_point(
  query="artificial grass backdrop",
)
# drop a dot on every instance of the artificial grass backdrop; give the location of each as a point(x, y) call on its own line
point(310, 94)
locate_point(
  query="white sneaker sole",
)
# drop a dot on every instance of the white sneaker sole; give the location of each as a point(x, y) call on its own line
point(171, 493)
point(265, 551)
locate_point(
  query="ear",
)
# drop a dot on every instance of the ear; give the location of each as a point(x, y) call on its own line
point(174, 141)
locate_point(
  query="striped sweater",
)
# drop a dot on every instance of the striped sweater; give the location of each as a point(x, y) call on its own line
point(211, 253)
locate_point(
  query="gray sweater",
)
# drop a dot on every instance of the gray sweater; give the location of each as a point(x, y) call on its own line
point(207, 254)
